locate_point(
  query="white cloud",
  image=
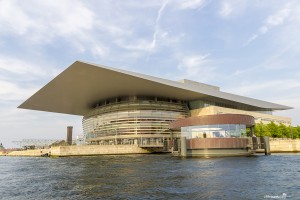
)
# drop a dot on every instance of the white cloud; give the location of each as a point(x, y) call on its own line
point(157, 29)
point(277, 91)
point(276, 19)
point(190, 4)
point(196, 67)
point(292, 101)
point(24, 20)
point(84, 18)
point(32, 124)
point(91, 28)
point(283, 85)
point(293, 113)
point(21, 67)
point(272, 21)
point(42, 22)
point(160, 37)
point(143, 44)
point(137, 45)
point(14, 92)
point(98, 50)
point(253, 37)
point(233, 8)
point(10, 114)
point(226, 9)
point(16, 79)
point(279, 17)
point(13, 18)
point(195, 61)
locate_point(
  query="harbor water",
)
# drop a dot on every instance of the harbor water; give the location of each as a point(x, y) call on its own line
point(151, 176)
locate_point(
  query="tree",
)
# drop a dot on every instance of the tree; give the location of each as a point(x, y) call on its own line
point(248, 132)
point(284, 131)
point(272, 130)
point(276, 131)
point(259, 129)
point(296, 132)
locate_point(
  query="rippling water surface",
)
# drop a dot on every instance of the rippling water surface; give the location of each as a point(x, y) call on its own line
point(150, 177)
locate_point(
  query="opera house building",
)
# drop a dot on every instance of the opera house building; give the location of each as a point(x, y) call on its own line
point(126, 108)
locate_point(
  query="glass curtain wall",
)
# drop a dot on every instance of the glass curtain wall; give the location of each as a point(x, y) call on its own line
point(214, 131)
point(136, 116)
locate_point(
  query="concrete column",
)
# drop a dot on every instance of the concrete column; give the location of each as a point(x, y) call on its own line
point(251, 131)
point(183, 146)
point(254, 143)
point(69, 134)
point(267, 145)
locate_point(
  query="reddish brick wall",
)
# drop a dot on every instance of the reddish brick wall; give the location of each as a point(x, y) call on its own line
point(216, 143)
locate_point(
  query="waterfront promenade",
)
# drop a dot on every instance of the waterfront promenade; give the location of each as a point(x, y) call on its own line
point(276, 146)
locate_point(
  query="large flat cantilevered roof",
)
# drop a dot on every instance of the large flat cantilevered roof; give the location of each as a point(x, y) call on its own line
point(82, 85)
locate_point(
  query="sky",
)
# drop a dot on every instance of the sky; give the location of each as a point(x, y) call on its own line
point(247, 47)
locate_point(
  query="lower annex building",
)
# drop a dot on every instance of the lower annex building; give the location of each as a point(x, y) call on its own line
point(122, 107)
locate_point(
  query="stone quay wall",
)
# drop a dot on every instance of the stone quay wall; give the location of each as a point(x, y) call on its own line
point(83, 150)
point(34, 152)
point(278, 145)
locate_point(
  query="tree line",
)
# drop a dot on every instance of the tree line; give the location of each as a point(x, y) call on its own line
point(276, 130)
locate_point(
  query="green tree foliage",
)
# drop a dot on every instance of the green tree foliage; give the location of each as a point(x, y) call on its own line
point(259, 129)
point(284, 131)
point(272, 130)
point(276, 130)
point(248, 132)
point(296, 132)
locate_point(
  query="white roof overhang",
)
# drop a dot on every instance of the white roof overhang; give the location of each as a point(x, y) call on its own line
point(82, 85)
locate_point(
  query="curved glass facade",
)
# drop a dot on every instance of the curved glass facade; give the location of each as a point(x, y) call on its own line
point(214, 131)
point(132, 118)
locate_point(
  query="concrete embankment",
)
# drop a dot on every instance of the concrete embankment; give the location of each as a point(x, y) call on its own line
point(96, 150)
point(278, 145)
point(83, 150)
point(34, 152)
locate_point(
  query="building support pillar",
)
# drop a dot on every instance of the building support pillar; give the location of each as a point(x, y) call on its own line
point(183, 146)
point(251, 131)
point(267, 145)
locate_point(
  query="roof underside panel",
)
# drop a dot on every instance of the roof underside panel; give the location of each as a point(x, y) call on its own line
point(77, 89)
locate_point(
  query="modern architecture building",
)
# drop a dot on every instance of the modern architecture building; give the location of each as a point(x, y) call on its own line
point(128, 108)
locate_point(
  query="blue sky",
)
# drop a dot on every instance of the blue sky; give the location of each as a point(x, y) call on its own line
point(249, 48)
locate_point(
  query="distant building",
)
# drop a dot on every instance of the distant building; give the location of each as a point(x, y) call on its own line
point(122, 107)
point(79, 140)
